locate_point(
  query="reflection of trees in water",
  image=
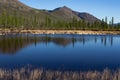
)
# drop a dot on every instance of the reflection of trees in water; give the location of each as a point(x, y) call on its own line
point(111, 41)
point(12, 44)
point(107, 40)
point(64, 41)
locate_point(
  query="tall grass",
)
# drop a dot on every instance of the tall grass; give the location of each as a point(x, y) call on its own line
point(41, 74)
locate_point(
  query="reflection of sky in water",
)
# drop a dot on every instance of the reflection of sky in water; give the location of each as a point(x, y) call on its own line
point(74, 52)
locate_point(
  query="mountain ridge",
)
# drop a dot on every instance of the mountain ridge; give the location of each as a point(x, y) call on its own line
point(60, 13)
point(75, 14)
point(14, 13)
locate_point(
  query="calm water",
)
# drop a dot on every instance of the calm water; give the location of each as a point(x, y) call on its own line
point(60, 52)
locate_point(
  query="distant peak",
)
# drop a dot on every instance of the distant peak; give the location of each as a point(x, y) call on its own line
point(62, 8)
point(65, 7)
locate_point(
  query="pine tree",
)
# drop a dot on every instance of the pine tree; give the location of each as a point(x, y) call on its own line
point(0, 21)
point(3, 18)
point(106, 20)
point(112, 21)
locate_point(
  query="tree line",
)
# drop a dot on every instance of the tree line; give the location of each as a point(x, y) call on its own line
point(20, 20)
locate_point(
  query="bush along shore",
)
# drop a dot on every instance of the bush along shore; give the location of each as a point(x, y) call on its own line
point(41, 74)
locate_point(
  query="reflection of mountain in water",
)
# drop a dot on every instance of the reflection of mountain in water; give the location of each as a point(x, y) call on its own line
point(12, 44)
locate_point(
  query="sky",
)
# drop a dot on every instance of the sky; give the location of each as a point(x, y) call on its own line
point(98, 8)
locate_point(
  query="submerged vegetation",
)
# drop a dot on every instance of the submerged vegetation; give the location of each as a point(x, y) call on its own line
point(21, 21)
point(42, 74)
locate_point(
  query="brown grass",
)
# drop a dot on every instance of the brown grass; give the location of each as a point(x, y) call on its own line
point(8, 31)
point(40, 74)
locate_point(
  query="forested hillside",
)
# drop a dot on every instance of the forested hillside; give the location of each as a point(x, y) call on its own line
point(14, 14)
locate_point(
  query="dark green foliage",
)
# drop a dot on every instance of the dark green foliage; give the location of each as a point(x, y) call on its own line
point(15, 15)
point(19, 20)
point(112, 21)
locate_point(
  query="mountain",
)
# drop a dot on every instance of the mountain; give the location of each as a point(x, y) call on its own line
point(66, 12)
point(14, 13)
point(116, 24)
point(10, 5)
point(86, 16)
point(61, 13)
point(15, 6)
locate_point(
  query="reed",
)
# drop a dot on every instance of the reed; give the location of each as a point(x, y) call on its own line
point(41, 74)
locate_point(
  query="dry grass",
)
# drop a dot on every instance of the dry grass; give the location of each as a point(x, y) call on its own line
point(41, 74)
point(8, 31)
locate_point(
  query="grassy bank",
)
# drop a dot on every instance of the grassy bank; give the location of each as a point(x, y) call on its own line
point(9, 31)
point(40, 74)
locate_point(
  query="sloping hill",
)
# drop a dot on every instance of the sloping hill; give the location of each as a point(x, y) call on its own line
point(10, 5)
point(65, 13)
point(15, 6)
point(68, 13)
point(86, 16)
point(14, 13)
point(61, 13)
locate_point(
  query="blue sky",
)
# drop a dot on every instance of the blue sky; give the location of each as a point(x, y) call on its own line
point(98, 8)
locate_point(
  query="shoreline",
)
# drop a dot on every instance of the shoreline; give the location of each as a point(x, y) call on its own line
point(8, 31)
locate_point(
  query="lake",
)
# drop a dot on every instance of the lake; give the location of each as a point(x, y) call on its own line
point(60, 51)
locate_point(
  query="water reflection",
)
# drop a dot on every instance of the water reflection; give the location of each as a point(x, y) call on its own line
point(66, 52)
point(10, 44)
point(13, 44)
